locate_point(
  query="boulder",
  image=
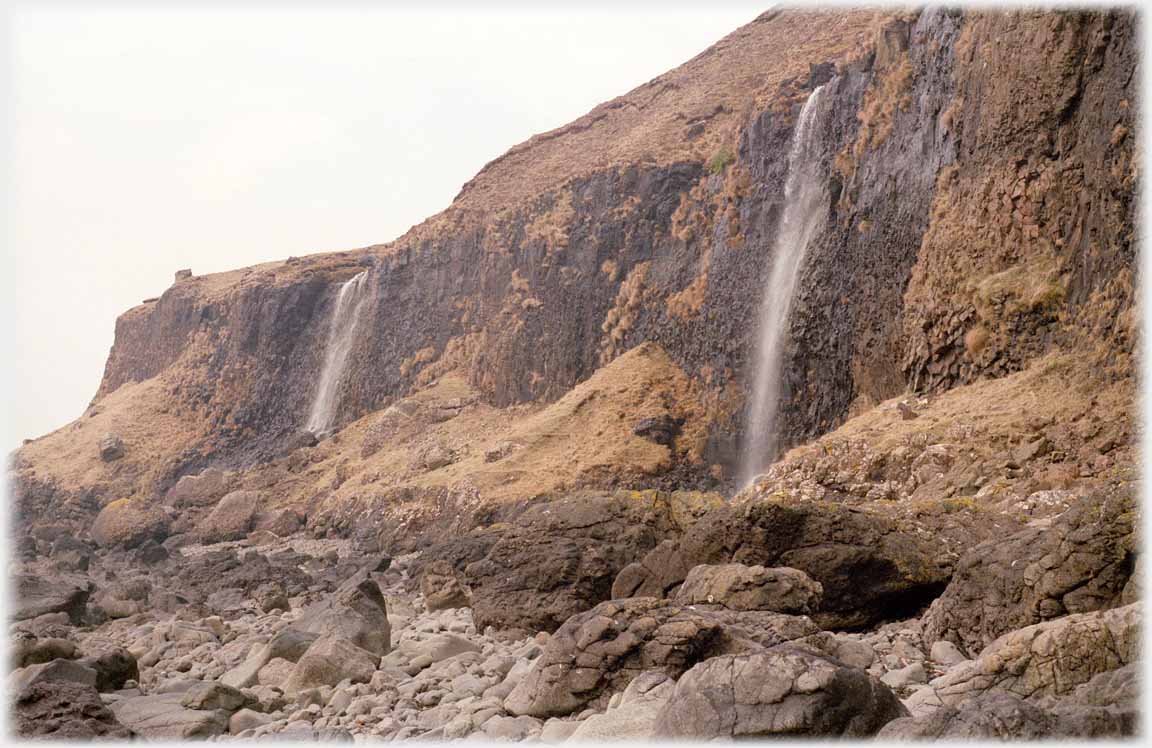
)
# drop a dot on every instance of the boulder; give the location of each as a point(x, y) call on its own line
point(213, 695)
point(246, 719)
point(783, 692)
point(330, 660)
point(56, 670)
point(559, 557)
point(289, 644)
point(441, 587)
point(27, 649)
point(357, 612)
point(204, 489)
point(111, 447)
point(1005, 716)
point(1045, 659)
point(128, 523)
point(634, 718)
point(871, 566)
point(64, 710)
point(1077, 562)
point(597, 653)
point(283, 522)
point(114, 667)
point(164, 717)
point(230, 519)
point(740, 587)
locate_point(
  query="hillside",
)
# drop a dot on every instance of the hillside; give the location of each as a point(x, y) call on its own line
point(535, 403)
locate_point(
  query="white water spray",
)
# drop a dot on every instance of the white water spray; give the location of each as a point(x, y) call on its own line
point(350, 302)
point(805, 207)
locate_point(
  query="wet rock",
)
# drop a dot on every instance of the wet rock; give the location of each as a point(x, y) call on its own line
point(1080, 563)
point(780, 692)
point(230, 519)
point(111, 447)
point(63, 710)
point(597, 653)
point(739, 587)
point(128, 523)
point(441, 587)
point(38, 595)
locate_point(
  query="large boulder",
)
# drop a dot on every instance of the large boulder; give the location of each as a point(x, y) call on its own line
point(560, 557)
point(56, 670)
point(871, 566)
point(230, 519)
point(38, 595)
point(128, 523)
point(330, 660)
point(357, 612)
point(1047, 659)
point(597, 653)
point(64, 710)
point(114, 666)
point(441, 587)
point(784, 691)
point(1004, 716)
point(1077, 562)
point(288, 645)
point(204, 489)
point(740, 587)
point(634, 717)
point(111, 447)
point(164, 717)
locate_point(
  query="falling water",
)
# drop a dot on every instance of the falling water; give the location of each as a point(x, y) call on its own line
point(805, 207)
point(341, 334)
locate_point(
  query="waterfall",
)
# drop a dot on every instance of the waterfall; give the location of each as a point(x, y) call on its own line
point(341, 334)
point(805, 208)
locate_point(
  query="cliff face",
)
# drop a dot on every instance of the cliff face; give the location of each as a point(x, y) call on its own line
point(983, 178)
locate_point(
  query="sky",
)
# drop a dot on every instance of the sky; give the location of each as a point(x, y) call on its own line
point(142, 141)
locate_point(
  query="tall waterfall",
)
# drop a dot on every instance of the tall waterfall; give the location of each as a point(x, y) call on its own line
point(350, 302)
point(805, 208)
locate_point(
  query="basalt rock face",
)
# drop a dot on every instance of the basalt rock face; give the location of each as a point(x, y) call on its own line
point(980, 174)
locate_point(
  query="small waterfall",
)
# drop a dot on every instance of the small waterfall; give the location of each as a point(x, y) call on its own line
point(805, 208)
point(342, 330)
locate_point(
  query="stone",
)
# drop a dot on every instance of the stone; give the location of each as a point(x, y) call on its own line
point(557, 730)
point(38, 595)
point(56, 670)
point(213, 695)
point(276, 672)
point(204, 489)
point(1005, 716)
point(185, 274)
point(908, 675)
point(114, 667)
point(330, 660)
point(282, 522)
point(634, 717)
point(230, 519)
point(869, 565)
point(129, 523)
point(597, 653)
point(441, 587)
point(27, 649)
point(946, 653)
point(247, 719)
point(433, 457)
point(111, 447)
point(1080, 563)
point(149, 553)
point(357, 611)
point(740, 587)
point(783, 691)
point(661, 429)
point(289, 644)
point(1046, 659)
point(516, 729)
point(64, 710)
point(164, 717)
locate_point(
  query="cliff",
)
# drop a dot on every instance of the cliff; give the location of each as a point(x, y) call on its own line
point(983, 177)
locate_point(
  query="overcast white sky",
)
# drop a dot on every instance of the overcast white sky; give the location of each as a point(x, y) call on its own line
point(144, 141)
